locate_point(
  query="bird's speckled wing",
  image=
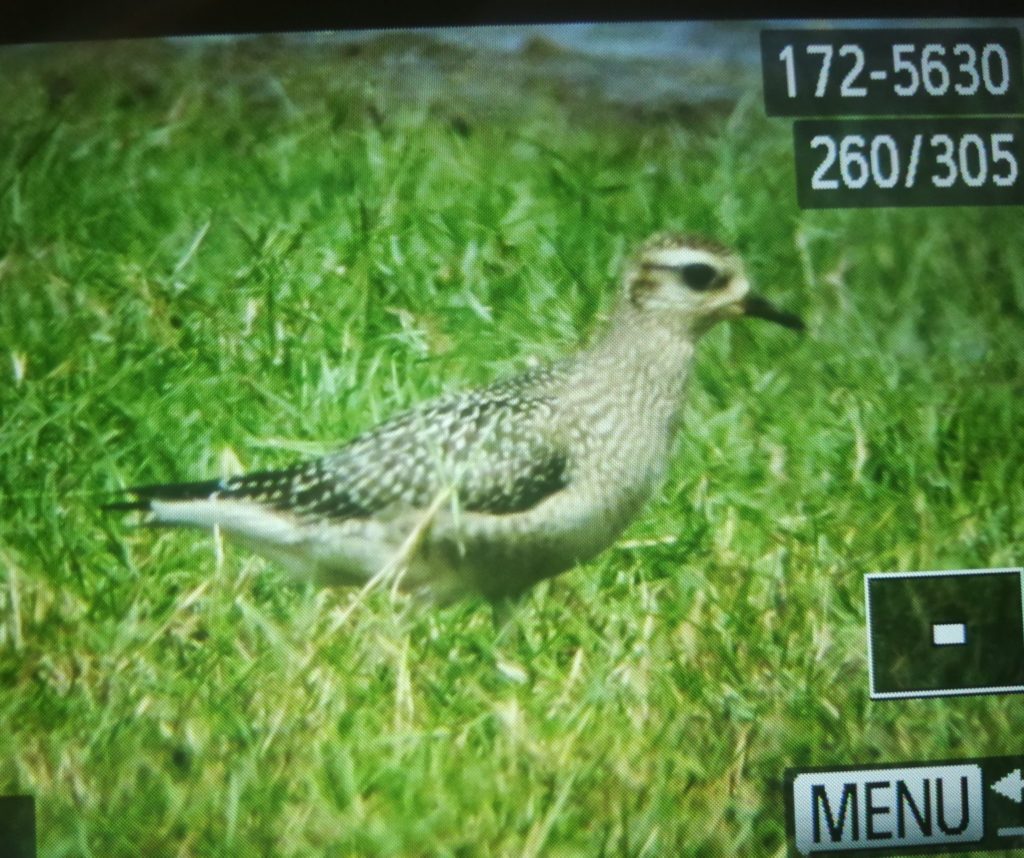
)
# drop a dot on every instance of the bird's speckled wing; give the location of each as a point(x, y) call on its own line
point(494, 446)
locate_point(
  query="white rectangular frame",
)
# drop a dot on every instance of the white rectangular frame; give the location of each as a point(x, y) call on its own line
point(940, 692)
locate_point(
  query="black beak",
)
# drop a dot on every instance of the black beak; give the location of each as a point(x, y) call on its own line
point(762, 308)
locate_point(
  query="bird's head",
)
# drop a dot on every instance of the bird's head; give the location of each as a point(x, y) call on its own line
point(696, 282)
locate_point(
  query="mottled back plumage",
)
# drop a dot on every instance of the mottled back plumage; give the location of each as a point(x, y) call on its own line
point(493, 447)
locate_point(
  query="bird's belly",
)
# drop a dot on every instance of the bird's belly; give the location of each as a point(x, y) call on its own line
point(454, 554)
point(503, 555)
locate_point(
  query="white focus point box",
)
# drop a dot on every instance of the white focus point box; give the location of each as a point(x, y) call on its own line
point(949, 634)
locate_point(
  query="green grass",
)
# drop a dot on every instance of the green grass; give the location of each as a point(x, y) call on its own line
point(239, 253)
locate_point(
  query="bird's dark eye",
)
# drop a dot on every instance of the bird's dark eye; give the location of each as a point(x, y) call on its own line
point(699, 275)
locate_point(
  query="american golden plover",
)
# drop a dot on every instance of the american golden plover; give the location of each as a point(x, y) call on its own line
point(491, 490)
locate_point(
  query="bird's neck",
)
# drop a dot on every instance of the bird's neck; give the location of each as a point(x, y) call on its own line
point(649, 353)
point(632, 380)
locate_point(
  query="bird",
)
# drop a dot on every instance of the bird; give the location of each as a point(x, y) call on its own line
point(489, 491)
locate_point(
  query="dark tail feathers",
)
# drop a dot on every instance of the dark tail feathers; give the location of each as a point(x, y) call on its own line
point(145, 495)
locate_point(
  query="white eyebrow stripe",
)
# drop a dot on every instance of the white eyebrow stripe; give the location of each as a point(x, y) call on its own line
point(678, 257)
